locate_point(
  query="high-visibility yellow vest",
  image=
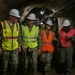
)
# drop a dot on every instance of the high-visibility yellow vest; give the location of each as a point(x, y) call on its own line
point(30, 38)
point(10, 36)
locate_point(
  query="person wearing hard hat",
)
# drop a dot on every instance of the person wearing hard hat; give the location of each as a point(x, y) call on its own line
point(42, 25)
point(9, 32)
point(66, 48)
point(46, 48)
point(37, 22)
point(30, 44)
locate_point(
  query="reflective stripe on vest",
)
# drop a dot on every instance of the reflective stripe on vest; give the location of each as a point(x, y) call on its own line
point(15, 37)
point(17, 26)
point(30, 38)
point(10, 36)
point(4, 25)
point(47, 42)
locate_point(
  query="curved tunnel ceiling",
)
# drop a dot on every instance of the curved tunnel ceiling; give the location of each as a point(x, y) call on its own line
point(65, 8)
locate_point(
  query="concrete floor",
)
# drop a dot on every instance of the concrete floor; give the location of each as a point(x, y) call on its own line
point(55, 68)
point(53, 71)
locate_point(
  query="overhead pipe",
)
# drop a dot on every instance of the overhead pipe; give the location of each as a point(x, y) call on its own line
point(61, 10)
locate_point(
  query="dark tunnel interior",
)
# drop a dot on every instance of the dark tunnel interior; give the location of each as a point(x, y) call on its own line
point(59, 9)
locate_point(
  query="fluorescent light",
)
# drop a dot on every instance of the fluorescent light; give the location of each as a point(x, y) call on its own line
point(42, 12)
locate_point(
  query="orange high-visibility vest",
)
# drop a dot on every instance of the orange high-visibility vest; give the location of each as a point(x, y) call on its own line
point(64, 41)
point(47, 42)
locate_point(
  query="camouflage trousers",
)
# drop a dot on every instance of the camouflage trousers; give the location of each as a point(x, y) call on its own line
point(46, 60)
point(31, 58)
point(10, 62)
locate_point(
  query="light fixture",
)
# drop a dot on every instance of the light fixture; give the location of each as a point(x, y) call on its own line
point(42, 12)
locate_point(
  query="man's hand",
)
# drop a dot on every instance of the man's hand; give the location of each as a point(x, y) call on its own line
point(0, 51)
point(19, 49)
point(39, 52)
point(55, 39)
point(24, 49)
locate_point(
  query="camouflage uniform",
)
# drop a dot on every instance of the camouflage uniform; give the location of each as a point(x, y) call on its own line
point(30, 59)
point(31, 56)
point(9, 59)
point(45, 57)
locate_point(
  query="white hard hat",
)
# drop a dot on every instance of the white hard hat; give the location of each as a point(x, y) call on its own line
point(31, 16)
point(49, 22)
point(66, 23)
point(14, 12)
